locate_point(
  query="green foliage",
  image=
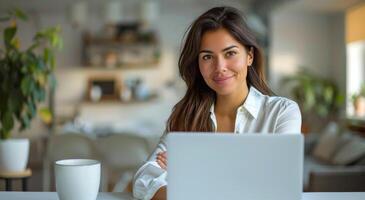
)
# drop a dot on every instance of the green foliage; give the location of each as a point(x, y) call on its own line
point(315, 95)
point(24, 74)
point(361, 93)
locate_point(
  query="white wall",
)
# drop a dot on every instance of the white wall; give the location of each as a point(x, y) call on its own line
point(306, 39)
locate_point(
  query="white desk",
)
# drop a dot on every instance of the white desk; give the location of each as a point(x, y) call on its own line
point(126, 196)
point(54, 196)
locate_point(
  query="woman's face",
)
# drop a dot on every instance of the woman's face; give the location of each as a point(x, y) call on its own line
point(223, 62)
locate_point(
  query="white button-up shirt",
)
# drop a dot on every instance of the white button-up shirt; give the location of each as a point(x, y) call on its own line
point(259, 114)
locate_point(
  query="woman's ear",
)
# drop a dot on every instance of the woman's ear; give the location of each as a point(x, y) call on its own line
point(250, 56)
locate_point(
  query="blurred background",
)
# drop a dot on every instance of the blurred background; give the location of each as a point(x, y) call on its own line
point(117, 81)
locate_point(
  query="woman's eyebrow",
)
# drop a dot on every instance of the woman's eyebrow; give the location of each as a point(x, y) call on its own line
point(205, 51)
point(230, 47)
point(225, 49)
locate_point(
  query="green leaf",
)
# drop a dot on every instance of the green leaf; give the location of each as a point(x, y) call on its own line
point(54, 40)
point(51, 60)
point(309, 97)
point(40, 64)
point(33, 46)
point(26, 86)
point(322, 110)
point(16, 101)
point(4, 134)
point(46, 53)
point(52, 81)
point(45, 115)
point(328, 94)
point(340, 99)
point(32, 109)
point(42, 95)
point(9, 34)
point(41, 79)
point(7, 122)
point(25, 122)
point(20, 14)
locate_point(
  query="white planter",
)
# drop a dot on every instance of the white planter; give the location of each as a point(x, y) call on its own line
point(14, 155)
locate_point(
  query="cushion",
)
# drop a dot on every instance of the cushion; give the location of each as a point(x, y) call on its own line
point(351, 152)
point(327, 146)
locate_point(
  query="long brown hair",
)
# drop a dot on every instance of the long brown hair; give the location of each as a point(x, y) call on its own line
point(191, 113)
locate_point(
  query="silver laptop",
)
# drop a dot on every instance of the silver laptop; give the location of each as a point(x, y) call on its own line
point(227, 166)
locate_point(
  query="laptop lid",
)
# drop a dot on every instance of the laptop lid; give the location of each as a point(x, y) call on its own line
point(229, 166)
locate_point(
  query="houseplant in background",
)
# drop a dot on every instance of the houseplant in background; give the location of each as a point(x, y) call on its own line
point(25, 76)
point(319, 99)
point(358, 101)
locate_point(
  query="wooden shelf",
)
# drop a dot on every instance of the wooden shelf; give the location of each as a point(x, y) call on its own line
point(22, 174)
point(124, 51)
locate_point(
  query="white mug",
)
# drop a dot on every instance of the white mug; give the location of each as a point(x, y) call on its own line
point(77, 179)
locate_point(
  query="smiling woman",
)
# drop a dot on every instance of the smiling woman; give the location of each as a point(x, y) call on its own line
point(222, 66)
point(219, 44)
point(224, 70)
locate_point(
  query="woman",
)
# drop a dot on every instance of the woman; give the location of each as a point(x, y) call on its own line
point(222, 66)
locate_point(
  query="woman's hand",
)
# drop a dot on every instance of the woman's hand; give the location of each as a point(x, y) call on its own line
point(162, 160)
point(160, 194)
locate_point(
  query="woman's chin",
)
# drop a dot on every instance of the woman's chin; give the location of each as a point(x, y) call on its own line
point(223, 91)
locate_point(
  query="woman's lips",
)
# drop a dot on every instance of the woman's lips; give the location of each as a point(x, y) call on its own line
point(221, 80)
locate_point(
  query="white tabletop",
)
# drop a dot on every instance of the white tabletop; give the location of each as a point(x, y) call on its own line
point(53, 196)
point(126, 196)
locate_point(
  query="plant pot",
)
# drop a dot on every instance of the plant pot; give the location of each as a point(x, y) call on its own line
point(359, 105)
point(14, 155)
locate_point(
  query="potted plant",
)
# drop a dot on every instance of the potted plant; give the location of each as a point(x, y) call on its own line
point(358, 101)
point(319, 99)
point(25, 76)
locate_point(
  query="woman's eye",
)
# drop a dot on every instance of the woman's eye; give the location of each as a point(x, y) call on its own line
point(231, 53)
point(206, 57)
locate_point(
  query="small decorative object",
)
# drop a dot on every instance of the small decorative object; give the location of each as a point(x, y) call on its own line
point(108, 87)
point(96, 93)
point(141, 90)
point(126, 94)
point(25, 76)
point(359, 105)
point(359, 102)
point(111, 60)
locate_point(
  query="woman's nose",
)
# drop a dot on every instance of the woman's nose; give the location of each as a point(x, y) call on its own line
point(220, 64)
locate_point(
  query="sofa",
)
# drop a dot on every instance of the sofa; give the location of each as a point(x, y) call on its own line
point(334, 162)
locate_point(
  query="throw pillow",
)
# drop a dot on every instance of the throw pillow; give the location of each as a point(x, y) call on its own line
point(327, 145)
point(350, 152)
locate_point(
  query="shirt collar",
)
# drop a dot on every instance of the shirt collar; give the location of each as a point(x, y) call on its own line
point(252, 103)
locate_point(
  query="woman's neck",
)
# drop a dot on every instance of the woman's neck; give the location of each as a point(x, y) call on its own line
point(227, 105)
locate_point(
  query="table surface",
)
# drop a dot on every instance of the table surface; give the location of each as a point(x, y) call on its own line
point(127, 196)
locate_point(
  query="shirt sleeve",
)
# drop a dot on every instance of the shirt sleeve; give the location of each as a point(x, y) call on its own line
point(289, 119)
point(150, 176)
